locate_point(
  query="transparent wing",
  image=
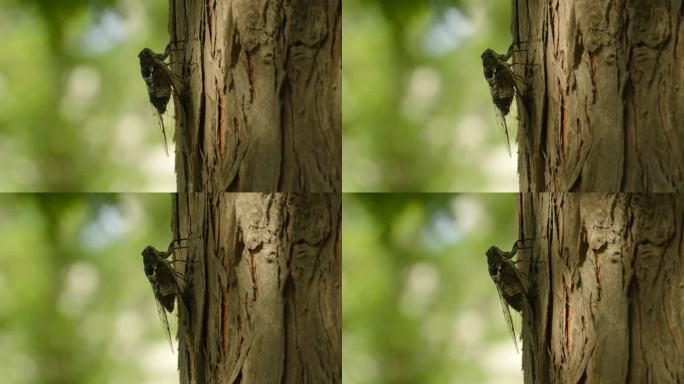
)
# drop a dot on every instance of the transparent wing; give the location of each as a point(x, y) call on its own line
point(503, 127)
point(160, 122)
point(165, 322)
point(507, 316)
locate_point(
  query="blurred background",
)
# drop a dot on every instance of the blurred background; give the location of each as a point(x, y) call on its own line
point(417, 113)
point(75, 305)
point(74, 110)
point(418, 303)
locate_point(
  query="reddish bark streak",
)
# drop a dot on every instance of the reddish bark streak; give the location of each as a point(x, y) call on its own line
point(253, 267)
point(597, 268)
point(568, 316)
point(224, 323)
point(564, 121)
point(221, 121)
point(250, 75)
point(594, 76)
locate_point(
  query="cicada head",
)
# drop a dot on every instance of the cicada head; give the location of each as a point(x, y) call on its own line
point(150, 256)
point(147, 61)
point(494, 260)
point(488, 54)
point(489, 58)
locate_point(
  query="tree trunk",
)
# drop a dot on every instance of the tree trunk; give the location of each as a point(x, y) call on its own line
point(259, 97)
point(601, 112)
point(262, 298)
point(607, 288)
point(258, 109)
point(603, 90)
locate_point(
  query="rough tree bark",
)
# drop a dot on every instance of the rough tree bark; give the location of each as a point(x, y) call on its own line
point(601, 112)
point(603, 90)
point(609, 283)
point(259, 97)
point(262, 297)
point(258, 110)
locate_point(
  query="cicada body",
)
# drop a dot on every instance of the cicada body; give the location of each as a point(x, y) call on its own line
point(509, 282)
point(159, 82)
point(507, 278)
point(157, 78)
point(499, 76)
point(164, 281)
point(161, 276)
point(502, 86)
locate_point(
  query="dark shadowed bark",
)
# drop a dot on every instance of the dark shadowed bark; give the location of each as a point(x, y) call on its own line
point(262, 298)
point(603, 94)
point(259, 97)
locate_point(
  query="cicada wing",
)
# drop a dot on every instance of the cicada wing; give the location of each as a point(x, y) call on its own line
point(160, 122)
point(507, 316)
point(503, 127)
point(165, 292)
point(165, 322)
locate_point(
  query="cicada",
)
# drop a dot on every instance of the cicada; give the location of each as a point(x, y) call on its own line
point(159, 81)
point(509, 281)
point(502, 85)
point(164, 280)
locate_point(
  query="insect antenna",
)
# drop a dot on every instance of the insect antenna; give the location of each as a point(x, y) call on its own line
point(174, 43)
point(183, 261)
point(180, 276)
point(177, 241)
point(182, 238)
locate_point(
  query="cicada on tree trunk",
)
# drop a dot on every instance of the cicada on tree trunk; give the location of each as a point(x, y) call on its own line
point(159, 81)
point(502, 85)
point(510, 281)
point(164, 280)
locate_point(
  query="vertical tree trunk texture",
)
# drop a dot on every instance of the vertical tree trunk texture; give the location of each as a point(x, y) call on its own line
point(603, 88)
point(609, 277)
point(262, 302)
point(259, 97)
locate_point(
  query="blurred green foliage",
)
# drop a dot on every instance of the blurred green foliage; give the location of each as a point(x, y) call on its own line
point(74, 114)
point(418, 303)
point(75, 306)
point(417, 113)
